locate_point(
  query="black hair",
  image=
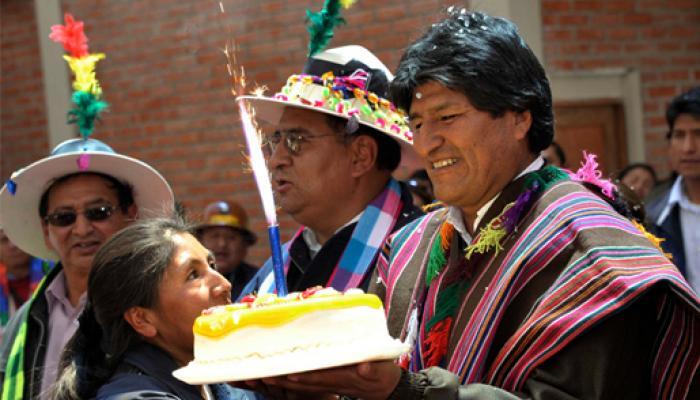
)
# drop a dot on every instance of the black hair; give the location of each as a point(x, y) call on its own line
point(126, 272)
point(123, 190)
point(388, 149)
point(559, 151)
point(685, 103)
point(485, 59)
point(633, 166)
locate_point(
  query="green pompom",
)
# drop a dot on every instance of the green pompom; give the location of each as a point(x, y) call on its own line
point(87, 109)
point(321, 25)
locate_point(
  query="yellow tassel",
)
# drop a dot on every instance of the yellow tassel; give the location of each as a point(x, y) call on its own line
point(432, 206)
point(489, 236)
point(656, 241)
point(347, 3)
point(84, 71)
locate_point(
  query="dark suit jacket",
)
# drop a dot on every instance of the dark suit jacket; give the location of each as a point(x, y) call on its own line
point(668, 229)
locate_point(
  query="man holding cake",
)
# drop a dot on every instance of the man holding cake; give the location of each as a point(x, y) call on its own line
point(335, 143)
point(529, 284)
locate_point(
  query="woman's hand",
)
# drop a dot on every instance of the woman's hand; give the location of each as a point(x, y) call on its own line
point(369, 381)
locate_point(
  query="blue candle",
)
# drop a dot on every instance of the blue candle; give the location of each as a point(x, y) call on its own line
point(277, 266)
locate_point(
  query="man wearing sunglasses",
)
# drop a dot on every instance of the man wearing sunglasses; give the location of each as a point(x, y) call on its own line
point(63, 208)
point(335, 143)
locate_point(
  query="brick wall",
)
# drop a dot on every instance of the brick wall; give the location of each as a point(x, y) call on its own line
point(166, 82)
point(23, 136)
point(168, 90)
point(660, 38)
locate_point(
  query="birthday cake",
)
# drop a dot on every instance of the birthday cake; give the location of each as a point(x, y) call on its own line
point(267, 335)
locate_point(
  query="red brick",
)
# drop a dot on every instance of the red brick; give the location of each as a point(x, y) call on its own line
point(622, 33)
point(618, 5)
point(556, 5)
point(662, 91)
point(557, 35)
point(589, 34)
point(588, 5)
point(573, 19)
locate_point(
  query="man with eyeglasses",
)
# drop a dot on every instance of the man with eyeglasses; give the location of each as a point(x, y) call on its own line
point(335, 144)
point(64, 207)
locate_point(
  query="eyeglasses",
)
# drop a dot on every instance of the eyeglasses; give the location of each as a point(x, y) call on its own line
point(68, 217)
point(292, 140)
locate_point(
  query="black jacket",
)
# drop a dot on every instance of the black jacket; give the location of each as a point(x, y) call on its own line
point(146, 373)
point(669, 229)
point(37, 337)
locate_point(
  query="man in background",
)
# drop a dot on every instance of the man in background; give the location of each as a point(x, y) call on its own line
point(225, 233)
point(675, 212)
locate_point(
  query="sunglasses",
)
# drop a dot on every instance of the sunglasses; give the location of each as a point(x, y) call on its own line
point(68, 217)
point(292, 140)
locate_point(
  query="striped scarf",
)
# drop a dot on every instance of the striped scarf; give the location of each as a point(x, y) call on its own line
point(598, 284)
point(37, 270)
point(14, 383)
point(375, 225)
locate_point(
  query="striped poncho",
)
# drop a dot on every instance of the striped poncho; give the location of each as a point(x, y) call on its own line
point(571, 264)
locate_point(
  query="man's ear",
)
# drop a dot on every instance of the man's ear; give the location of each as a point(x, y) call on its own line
point(522, 122)
point(142, 320)
point(364, 155)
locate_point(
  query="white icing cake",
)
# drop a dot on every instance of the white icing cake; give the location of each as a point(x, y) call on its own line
point(268, 335)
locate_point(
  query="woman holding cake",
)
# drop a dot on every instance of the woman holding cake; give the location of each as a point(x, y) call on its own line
point(146, 287)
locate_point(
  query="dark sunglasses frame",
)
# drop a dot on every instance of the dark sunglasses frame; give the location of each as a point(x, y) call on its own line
point(68, 217)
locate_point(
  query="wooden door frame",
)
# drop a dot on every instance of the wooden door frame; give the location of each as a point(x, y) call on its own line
point(622, 85)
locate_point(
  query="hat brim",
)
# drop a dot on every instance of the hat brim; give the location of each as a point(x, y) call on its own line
point(249, 236)
point(19, 212)
point(270, 110)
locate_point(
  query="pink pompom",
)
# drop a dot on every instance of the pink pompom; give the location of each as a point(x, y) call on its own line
point(590, 173)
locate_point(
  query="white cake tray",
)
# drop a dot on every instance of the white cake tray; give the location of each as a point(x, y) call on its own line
point(300, 360)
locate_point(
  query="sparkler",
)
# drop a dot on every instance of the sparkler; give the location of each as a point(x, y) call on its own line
point(257, 163)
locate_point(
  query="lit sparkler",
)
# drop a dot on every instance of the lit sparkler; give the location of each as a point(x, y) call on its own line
point(257, 163)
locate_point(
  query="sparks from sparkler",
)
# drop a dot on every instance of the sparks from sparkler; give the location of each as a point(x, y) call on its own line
point(257, 161)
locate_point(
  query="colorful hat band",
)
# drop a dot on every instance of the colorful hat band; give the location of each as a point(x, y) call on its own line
point(347, 96)
point(221, 219)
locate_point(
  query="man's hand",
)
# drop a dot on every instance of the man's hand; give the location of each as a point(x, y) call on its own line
point(369, 381)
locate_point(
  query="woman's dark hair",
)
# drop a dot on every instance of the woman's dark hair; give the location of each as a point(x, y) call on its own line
point(485, 59)
point(685, 103)
point(388, 149)
point(624, 171)
point(126, 272)
point(124, 191)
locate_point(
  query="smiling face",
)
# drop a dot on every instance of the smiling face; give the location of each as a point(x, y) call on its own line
point(190, 285)
point(77, 243)
point(684, 146)
point(309, 185)
point(470, 156)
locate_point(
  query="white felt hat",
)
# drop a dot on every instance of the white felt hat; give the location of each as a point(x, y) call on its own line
point(20, 196)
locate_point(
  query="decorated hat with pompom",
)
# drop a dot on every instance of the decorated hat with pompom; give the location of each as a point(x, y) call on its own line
point(21, 194)
point(348, 82)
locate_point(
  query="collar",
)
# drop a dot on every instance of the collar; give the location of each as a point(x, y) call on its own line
point(309, 236)
point(57, 292)
point(675, 196)
point(454, 214)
